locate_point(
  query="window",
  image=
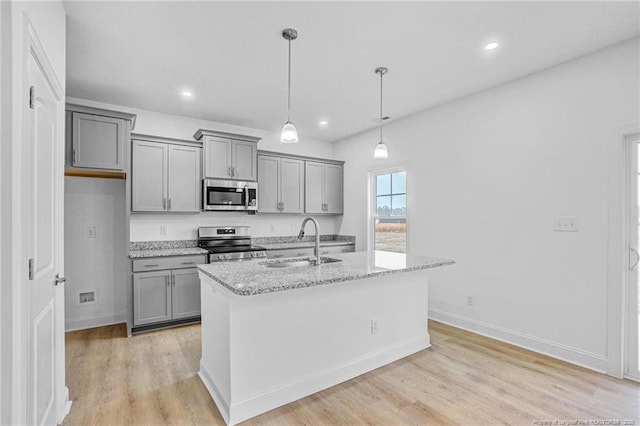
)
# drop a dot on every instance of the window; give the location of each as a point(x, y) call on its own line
point(389, 211)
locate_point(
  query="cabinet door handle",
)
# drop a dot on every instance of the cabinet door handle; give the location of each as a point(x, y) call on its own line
point(169, 204)
point(149, 265)
point(169, 281)
point(164, 203)
point(229, 171)
point(188, 263)
point(75, 155)
point(233, 171)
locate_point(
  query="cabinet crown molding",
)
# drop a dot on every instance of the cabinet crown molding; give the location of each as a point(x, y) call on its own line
point(300, 157)
point(204, 132)
point(162, 139)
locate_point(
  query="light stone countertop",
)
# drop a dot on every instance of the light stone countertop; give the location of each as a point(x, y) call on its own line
point(304, 244)
point(165, 252)
point(251, 278)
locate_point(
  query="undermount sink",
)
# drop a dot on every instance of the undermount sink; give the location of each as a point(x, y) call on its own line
point(296, 262)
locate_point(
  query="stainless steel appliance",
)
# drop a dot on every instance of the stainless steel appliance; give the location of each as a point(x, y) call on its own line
point(229, 195)
point(229, 243)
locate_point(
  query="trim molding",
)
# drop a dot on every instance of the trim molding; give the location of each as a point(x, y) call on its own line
point(546, 347)
point(93, 321)
point(617, 259)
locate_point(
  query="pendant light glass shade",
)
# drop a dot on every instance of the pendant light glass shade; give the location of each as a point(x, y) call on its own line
point(289, 133)
point(381, 151)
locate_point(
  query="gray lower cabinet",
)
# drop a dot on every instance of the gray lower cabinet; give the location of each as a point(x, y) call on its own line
point(151, 297)
point(163, 295)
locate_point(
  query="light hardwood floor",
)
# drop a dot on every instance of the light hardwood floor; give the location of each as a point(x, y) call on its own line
point(150, 379)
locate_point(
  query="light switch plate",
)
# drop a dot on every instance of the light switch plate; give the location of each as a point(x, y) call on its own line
point(91, 231)
point(566, 224)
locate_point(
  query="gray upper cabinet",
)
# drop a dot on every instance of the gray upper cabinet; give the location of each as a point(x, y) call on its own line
point(268, 184)
point(165, 176)
point(314, 188)
point(229, 155)
point(280, 184)
point(334, 188)
point(97, 138)
point(183, 189)
point(323, 188)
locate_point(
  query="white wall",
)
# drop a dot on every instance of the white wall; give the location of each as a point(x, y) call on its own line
point(94, 264)
point(488, 174)
point(147, 226)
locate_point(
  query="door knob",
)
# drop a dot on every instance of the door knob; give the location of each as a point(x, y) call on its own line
point(59, 279)
point(635, 264)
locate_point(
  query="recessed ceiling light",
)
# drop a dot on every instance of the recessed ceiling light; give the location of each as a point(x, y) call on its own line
point(186, 93)
point(491, 46)
point(323, 122)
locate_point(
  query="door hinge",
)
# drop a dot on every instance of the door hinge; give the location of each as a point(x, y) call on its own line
point(32, 96)
point(31, 269)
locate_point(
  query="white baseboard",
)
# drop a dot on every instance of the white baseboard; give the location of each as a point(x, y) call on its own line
point(546, 347)
point(83, 323)
point(235, 412)
point(66, 405)
point(210, 384)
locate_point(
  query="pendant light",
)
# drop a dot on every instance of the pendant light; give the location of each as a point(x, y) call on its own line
point(289, 133)
point(381, 150)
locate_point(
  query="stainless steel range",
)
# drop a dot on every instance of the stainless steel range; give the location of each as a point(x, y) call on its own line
point(229, 243)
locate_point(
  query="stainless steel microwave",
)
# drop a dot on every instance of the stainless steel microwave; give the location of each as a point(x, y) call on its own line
point(229, 195)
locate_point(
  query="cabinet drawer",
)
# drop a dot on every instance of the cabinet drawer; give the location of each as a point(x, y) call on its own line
point(172, 262)
point(338, 249)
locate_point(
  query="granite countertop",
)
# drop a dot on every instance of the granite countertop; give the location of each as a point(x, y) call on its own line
point(142, 249)
point(292, 242)
point(304, 244)
point(185, 251)
point(251, 278)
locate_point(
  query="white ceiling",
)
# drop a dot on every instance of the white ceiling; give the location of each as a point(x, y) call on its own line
point(233, 58)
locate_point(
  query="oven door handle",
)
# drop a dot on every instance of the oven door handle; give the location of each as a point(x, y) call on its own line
point(246, 197)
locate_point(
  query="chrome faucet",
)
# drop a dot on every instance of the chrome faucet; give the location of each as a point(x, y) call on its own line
point(301, 234)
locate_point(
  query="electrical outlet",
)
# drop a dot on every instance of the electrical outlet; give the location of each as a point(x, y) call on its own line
point(566, 224)
point(469, 301)
point(163, 230)
point(91, 231)
point(374, 326)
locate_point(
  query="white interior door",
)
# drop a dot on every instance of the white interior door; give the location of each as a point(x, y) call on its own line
point(43, 205)
point(632, 364)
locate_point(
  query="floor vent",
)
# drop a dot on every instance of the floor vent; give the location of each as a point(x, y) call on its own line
point(88, 297)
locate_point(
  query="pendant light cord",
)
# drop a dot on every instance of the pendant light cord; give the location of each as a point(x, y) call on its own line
point(381, 74)
point(289, 85)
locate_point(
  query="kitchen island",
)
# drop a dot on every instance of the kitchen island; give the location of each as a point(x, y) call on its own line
point(276, 331)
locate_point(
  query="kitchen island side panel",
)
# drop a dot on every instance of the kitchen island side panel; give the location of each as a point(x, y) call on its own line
point(286, 345)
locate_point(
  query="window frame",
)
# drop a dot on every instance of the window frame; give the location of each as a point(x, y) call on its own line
point(373, 173)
